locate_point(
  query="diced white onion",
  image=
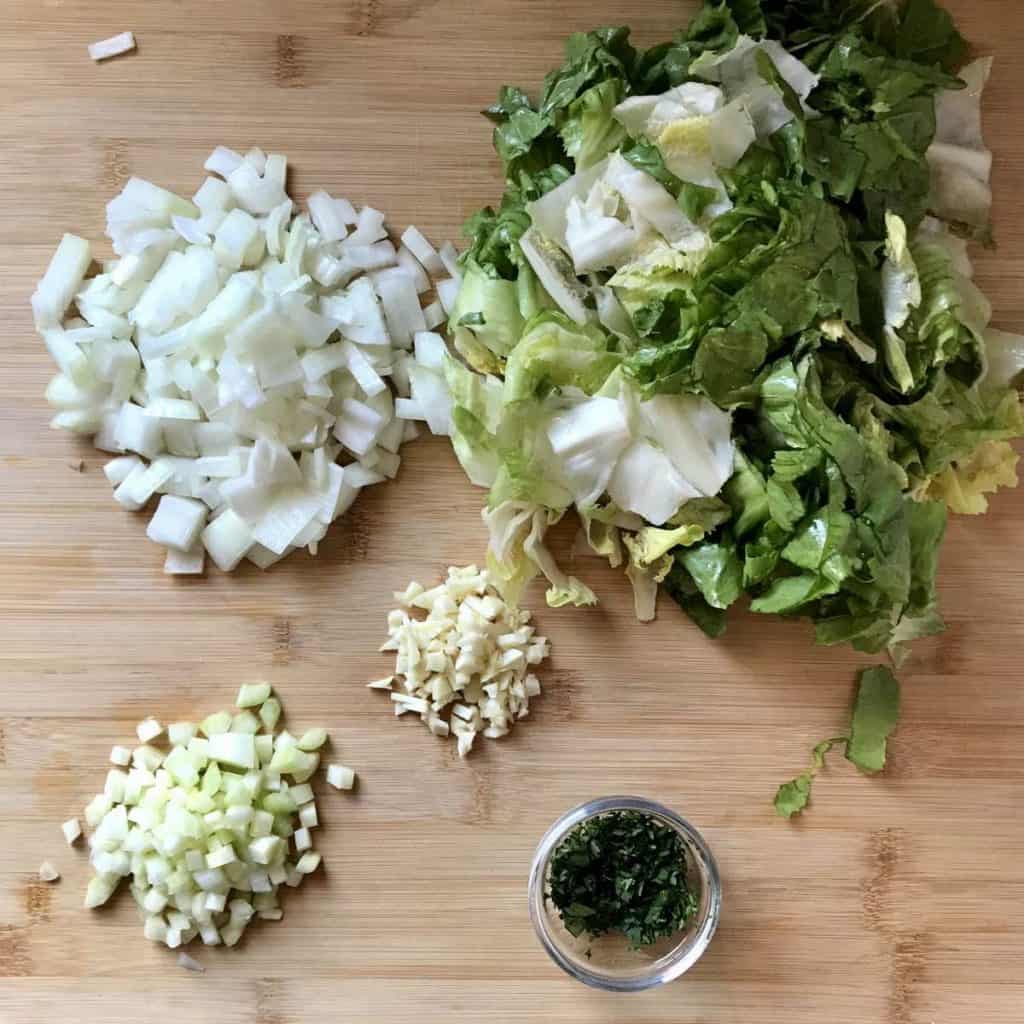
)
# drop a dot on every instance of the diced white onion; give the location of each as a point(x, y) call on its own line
point(112, 47)
point(450, 258)
point(434, 315)
point(148, 729)
point(47, 872)
point(185, 563)
point(185, 961)
point(209, 338)
point(414, 240)
point(448, 292)
point(340, 777)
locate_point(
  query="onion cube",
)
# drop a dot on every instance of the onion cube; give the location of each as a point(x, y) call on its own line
point(138, 432)
point(327, 217)
point(61, 282)
point(124, 42)
point(235, 749)
point(413, 267)
point(148, 729)
point(340, 777)
point(308, 863)
point(417, 244)
point(177, 522)
point(450, 259)
point(397, 291)
point(358, 426)
point(227, 539)
point(185, 563)
point(118, 470)
point(47, 872)
point(223, 161)
point(236, 234)
point(448, 292)
point(434, 315)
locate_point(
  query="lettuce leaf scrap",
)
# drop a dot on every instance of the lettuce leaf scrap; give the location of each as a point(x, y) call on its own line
point(875, 714)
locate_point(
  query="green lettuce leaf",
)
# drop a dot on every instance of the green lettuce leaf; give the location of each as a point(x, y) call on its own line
point(875, 714)
point(793, 796)
point(488, 307)
point(683, 589)
point(714, 28)
point(589, 132)
point(494, 236)
point(590, 58)
point(554, 352)
point(918, 30)
point(716, 569)
point(747, 494)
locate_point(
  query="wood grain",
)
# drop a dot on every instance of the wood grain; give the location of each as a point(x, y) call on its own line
point(895, 900)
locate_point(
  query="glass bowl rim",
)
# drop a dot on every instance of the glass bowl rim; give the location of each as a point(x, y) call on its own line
point(674, 963)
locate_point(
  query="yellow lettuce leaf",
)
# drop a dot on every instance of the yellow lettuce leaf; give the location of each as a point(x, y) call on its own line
point(964, 484)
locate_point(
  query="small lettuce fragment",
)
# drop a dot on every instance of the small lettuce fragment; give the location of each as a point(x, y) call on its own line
point(1005, 357)
point(654, 274)
point(589, 131)
point(650, 545)
point(960, 163)
point(476, 416)
point(651, 201)
point(549, 213)
point(739, 72)
point(901, 293)
point(586, 441)
point(716, 569)
point(793, 796)
point(650, 561)
point(595, 235)
point(488, 306)
point(555, 272)
point(516, 554)
point(554, 352)
point(697, 133)
point(875, 714)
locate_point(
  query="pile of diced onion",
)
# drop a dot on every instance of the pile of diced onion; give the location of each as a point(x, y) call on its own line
point(465, 668)
point(236, 350)
point(211, 829)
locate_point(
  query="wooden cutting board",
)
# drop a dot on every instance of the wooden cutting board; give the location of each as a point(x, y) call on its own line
point(894, 900)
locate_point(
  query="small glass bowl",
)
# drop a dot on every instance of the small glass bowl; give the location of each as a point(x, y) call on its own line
point(607, 962)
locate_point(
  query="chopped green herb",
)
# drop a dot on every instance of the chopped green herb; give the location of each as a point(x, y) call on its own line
point(622, 872)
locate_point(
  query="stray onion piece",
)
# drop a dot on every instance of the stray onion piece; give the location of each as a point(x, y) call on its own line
point(124, 42)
